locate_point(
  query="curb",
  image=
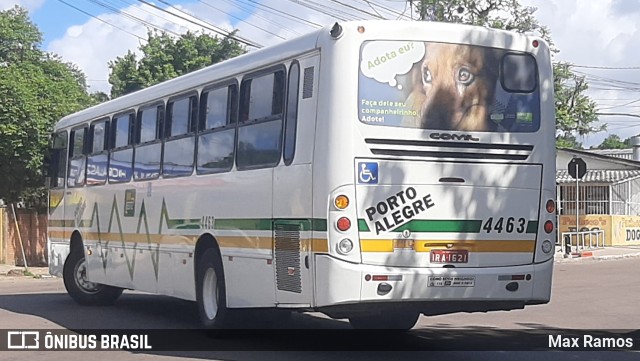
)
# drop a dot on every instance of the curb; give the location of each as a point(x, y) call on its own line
point(588, 256)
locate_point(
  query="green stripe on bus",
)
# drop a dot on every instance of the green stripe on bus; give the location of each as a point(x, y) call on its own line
point(319, 225)
point(363, 226)
point(247, 224)
point(265, 224)
point(532, 227)
point(472, 226)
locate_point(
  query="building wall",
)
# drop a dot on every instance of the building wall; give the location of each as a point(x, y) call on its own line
point(32, 232)
point(618, 230)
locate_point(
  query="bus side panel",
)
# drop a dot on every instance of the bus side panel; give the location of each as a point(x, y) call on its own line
point(292, 196)
point(243, 214)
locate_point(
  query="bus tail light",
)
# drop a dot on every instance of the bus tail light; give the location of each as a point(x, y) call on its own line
point(548, 226)
point(343, 224)
point(551, 206)
point(341, 201)
point(345, 246)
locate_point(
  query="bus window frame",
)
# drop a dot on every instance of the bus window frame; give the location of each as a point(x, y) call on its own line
point(286, 161)
point(160, 106)
point(72, 156)
point(106, 146)
point(231, 121)
point(55, 161)
point(249, 122)
point(131, 113)
point(192, 125)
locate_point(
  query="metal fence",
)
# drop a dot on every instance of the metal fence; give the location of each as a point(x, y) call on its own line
point(612, 199)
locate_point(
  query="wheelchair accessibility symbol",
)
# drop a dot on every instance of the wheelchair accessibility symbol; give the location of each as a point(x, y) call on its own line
point(368, 173)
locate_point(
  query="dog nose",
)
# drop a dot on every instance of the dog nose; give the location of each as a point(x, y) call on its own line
point(439, 111)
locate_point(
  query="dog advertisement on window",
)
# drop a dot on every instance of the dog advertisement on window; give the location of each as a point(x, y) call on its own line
point(445, 86)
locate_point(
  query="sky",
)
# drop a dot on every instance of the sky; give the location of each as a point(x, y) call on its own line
point(600, 37)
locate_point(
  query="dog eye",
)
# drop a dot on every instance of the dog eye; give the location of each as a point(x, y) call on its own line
point(465, 76)
point(426, 76)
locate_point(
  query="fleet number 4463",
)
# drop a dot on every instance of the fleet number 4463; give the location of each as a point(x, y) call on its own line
point(508, 225)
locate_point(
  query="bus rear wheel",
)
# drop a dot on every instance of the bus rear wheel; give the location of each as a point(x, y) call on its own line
point(80, 288)
point(388, 320)
point(210, 291)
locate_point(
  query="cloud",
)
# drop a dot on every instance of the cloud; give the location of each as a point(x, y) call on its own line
point(93, 44)
point(602, 34)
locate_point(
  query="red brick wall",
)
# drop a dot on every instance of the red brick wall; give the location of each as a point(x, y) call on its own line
point(33, 232)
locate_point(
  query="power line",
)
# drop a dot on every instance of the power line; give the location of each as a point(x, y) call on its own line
point(249, 12)
point(205, 25)
point(103, 21)
point(326, 10)
point(281, 13)
point(620, 114)
point(358, 9)
point(246, 22)
point(390, 10)
point(606, 67)
point(131, 16)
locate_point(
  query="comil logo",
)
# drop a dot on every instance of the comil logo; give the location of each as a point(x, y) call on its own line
point(453, 136)
point(23, 340)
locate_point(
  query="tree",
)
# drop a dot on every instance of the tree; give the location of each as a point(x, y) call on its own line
point(165, 57)
point(575, 111)
point(613, 141)
point(36, 90)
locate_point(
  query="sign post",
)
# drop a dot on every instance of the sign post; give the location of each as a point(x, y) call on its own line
point(577, 169)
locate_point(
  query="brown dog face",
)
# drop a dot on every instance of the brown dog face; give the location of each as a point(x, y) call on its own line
point(453, 87)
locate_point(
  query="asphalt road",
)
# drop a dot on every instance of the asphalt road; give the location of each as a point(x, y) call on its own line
point(586, 295)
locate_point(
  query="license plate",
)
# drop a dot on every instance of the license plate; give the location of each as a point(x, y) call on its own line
point(449, 256)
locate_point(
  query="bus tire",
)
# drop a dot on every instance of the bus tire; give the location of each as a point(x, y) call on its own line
point(388, 320)
point(80, 289)
point(211, 296)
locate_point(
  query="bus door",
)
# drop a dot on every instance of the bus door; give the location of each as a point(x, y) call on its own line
point(57, 173)
point(292, 185)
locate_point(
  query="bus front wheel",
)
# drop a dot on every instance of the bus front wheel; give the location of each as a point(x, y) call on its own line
point(389, 320)
point(80, 288)
point(210, 292)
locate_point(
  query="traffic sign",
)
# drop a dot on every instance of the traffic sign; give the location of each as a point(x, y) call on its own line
point(577, 165)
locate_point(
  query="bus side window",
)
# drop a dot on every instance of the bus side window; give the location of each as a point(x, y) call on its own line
point(97, 161)
point(179, 147)
point(218, 109)
point(260, 127)
point(58, 159)
point(121, 155)
point(77, 158)
point(291, 118)
point(148, 153)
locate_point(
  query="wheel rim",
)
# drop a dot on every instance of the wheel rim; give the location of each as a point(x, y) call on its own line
point(80, 277)
point(210, 294)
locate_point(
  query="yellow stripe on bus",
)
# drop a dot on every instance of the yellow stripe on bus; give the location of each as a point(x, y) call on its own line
point(389, 245)
point(248, 242)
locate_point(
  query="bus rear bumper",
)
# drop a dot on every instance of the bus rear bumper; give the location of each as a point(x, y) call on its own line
point(340, 283)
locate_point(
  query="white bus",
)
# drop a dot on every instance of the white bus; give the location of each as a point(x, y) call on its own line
point(372, 170)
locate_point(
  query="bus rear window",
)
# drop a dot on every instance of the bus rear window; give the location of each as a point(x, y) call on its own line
point(445, 86)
